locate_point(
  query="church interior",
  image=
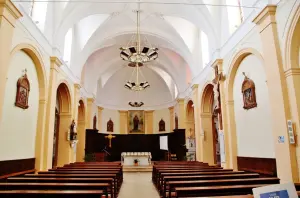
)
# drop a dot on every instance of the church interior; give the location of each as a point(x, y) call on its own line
point(149, 98)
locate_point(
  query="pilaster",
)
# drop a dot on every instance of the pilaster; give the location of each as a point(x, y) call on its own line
point(181, 113)
point(279, 102)
point(100, 109)
point(196, 101)
point(149, 122)
point(55, 64)
point(172, 117)
point(123, 122)
point(8, 16)
point(89, 117)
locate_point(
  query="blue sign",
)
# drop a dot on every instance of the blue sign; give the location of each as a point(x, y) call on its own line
point(276, 194)
point(280, 139)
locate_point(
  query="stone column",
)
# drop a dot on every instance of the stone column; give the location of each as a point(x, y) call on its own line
point(197, 111)
point(181, 113)
point(172, 117)
point(277, 88)
point(100, 109)
point(149, 122)
point(89, 118)
point(123, 122)
point(55, 64)
point(9, 14)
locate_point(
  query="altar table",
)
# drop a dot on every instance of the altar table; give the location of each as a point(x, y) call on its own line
point(144, 158)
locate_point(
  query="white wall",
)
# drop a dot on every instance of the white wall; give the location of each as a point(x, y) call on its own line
point(253, 127)
point(18, 126)
point(157, 116)
point(114, 116)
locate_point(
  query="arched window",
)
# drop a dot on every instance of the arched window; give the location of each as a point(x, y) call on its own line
point(235, 14)
point(204, 49)
point(95, 122)
point(162, 125)
point(110, 126)
point(38, 13)
point(68, 46)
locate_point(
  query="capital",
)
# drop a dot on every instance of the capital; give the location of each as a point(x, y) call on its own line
point(171, 108)
point(56, 61)
point(77, 86)
point(180, 100)
point(9, 11)
point(195, 86)
point(90, 100)
point(100, 108)
point(268, 11)
point(217, 63)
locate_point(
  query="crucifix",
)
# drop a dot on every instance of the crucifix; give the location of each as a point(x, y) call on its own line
point(216, 90)
point(110, 137)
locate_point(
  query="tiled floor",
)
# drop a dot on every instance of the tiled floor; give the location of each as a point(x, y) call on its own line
point(138, 185)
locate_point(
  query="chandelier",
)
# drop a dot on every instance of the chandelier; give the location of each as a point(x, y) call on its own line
point(136, 53)
point(136, 104)
point(136, 85)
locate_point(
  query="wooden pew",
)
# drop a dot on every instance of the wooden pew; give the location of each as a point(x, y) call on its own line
point(170, 186)
point(113, 185)
point(215, 190)
point(51, 193)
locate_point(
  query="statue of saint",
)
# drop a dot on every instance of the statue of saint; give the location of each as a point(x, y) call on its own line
point(136, 122)
point(73, 131)
point(216, 95)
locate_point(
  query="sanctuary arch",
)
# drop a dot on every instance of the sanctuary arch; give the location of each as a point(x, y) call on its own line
point(35, 56)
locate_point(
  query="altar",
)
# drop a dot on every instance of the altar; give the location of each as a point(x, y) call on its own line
point(143, 158)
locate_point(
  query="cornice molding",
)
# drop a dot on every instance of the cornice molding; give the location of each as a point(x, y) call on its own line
point(55, 60)
point(7, 5)
point(269, 10)
point(292, 72)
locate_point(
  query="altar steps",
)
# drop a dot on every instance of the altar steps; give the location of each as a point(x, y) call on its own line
point(137, 168)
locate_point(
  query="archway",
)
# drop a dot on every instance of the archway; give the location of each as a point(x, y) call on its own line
point(64, 119)
point(39, 88)
point(210, 127)
point(190, 131)
point(81, 132)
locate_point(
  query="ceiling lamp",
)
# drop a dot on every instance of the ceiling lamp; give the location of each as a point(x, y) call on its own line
point(136, 85)
point(136, 104)
point(136, 53)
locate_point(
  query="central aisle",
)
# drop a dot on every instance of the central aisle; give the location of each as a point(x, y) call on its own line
point(138, 185)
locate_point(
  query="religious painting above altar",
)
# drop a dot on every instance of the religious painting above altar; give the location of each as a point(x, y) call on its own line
point(136, 122)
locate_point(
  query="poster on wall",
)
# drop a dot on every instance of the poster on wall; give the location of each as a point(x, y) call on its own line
point(222, 146)
point(136, 122)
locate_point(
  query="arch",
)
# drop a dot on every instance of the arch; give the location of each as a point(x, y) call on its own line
point(292, 43)
point(190, 119)
point(65, 118)
point(206, 120)
point(235, 63)
point(81, 122)
point(232, 135)
point(36, 57)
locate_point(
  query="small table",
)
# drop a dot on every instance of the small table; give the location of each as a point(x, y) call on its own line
point(144, 158)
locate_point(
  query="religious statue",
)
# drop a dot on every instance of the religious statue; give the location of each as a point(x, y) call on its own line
point(162, 125)
point(95, 122)
point(136, 122)
point(248, 91)
point(110, 126)
point(23, 88)
point(73, 131)
point(176, 121)
point(216, 95)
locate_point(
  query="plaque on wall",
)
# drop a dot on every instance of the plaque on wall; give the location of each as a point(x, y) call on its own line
point(23, 88)
point(248, 91)
point(136, 121)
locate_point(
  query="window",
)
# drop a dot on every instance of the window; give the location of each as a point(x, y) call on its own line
point(204, 49)
point(38, 13)
point(235, 14)
point(68, 46)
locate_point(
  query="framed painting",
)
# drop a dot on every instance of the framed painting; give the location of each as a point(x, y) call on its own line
point(136, 121)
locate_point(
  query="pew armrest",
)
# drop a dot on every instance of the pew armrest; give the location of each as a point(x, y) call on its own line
point(17, 173)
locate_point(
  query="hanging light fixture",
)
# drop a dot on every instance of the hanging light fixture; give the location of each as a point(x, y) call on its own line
point(136, 53)
point(136, 104)
point(136, 85)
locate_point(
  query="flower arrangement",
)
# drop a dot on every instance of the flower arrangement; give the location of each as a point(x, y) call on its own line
point(136, 161)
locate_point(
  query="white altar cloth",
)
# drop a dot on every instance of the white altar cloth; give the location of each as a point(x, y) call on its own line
point(144, 158)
